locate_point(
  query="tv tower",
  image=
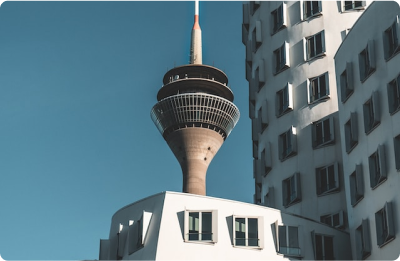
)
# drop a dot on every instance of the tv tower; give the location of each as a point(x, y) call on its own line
point(195, 113)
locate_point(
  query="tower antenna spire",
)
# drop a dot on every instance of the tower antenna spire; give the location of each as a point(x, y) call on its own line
point(195, 46)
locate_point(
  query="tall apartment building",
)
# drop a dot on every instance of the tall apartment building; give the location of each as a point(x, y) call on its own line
point(290, 48)
point(367, 72)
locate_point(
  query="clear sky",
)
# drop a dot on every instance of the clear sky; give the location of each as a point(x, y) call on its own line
point(77, 83)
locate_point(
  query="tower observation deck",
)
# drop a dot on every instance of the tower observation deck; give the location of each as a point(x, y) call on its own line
point(195, 114)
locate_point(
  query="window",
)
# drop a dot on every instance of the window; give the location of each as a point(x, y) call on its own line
point(254, 5)
point(287, 144)
point(289, 240)
point(393, 90)
point(284, 100)
point(353, 5)
point(327, 179)
point(366, 61)
point(246, 232)
point(269, 199)
point(371, 113)
point(385, 231)
point(255, 129)
point(266, 161)
point(377, 167)
point(356, 185)
point(278, 18)
point(312, 8)
point(291, 190)
point(334, 220)
point(263, 116)
point(346, 83)
point(323, 132)
point(323, 246)
point(259, 76)
point(318, 88)
point(391, 39)
point(200, 226)
point(256, 37)
point(281, 58)
point(351, 132)
point(363, 240)
point(315, 45)
point(396, 142)
point(137, 232)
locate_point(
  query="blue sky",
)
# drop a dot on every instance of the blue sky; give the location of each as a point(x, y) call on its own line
point(77, 83)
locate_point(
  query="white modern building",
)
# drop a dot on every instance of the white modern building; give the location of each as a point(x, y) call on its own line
point(290, 48)
point(367, 72)
point(183, 226)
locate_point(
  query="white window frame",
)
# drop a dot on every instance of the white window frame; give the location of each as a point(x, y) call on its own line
point(284, 100)
point(393, 92)
point(310, 44)
point(366, 61)
point(291, 190)
point(353, 6)
point(323, 174)
point(260, 230)
point(385, 230)
point(330, 219)
point(363, 240)
point(371, 109)
point(346, 82)
point(314, 13)
point(287, 144)
point(351, 132)
point(214, 226)
point(315, 90)
point(377, 167)
point(278, 18)
point(391, 39)
point(281, 59)
point(396, 145)
point(286, 249)
point(313, 238)
point(327, 127)
point(356, 185)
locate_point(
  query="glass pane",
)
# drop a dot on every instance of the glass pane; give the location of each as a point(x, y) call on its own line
point(328, 248)
point(240, 231)
point(293, 237)
point(253, 232)
point(206, 227)
point(194, 226)
point(318, 248)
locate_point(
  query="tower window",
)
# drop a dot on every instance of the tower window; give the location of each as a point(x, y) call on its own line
point(281, 58)
point(346, 83)
point(391, 39)
point(278, 18)
point(356, 185)
point(351, 132)
point(323, 132)
point(327, 179)
point(385, 225)
point(377, 167)
point(371, 113)
point(284, 100)
point(312, 8)
point(366, 60)
point(287, 144)
point(363, 240)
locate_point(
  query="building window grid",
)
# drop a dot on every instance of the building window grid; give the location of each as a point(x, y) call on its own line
point(323, 132)
point(327, 179)
point(315, 45)
point(318, 88)
point(246, 232)
point(371, 113)
point(289, 240)
point(393, 91)
point(377, 168)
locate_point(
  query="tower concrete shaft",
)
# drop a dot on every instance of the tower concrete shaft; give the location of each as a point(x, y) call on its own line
point(195, 114)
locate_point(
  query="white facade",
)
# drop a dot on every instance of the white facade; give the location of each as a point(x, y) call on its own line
point(370, 138)
point(290, 48)
point(165, 220)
